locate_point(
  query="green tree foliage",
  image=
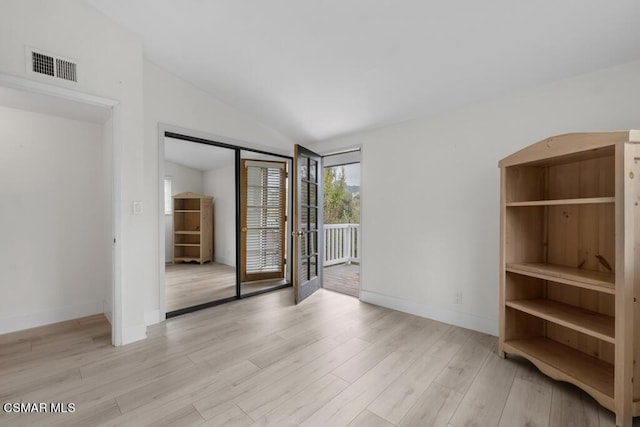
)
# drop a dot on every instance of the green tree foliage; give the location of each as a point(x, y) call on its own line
point(340, 206)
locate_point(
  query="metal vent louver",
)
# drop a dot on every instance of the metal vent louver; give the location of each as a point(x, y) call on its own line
point(66, 70)
point(49, 65)
point(42, 64)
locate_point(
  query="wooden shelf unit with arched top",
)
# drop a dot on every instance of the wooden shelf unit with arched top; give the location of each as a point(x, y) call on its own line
point(569, 279)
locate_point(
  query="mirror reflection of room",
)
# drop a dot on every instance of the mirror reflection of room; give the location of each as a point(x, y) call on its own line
point(200, 224)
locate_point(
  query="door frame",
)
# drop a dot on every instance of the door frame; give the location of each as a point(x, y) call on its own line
point(43, 88)
point(167, 130)
point(357, 157)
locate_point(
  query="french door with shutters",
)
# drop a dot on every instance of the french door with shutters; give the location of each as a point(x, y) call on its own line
point(308, 223)
point(263, 204)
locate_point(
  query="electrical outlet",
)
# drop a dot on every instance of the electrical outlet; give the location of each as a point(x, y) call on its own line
point(458, 297)
point(137, 208)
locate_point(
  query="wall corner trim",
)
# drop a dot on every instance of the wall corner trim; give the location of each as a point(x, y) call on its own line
point(464, 320)
point(151, 317)
point(131, 334)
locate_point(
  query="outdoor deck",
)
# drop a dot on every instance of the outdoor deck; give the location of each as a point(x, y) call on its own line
point(343, 278)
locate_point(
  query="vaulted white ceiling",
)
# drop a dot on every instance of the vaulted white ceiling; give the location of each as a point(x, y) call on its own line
point(314, 69)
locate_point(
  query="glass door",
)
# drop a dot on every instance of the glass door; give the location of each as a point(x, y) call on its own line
point(308, 229)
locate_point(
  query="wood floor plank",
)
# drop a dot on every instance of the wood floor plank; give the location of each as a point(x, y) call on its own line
point(226, 352)
point(183, 417)
point(19, 386)
point(63, 360)
point(434, 407)
point(92, 391)
point(176, 398)
point(183, 381)
point(229, 415)
point(266, 359)
point(369, 419)
point(15, 349)
point(259, 402)
point(394, 402)
point(571, 407)
point(347, 405)
point(528, 404)
point(422, 334)
point(608, 418)
point(353, 314)
point(529, 372)
point(279, 350)
point(386, 326)
point(83, 416)
point(142, 395)
point(405, 337)
point(191, 284)
point(464, 366)
point(264, 378)
point(484, 401)
point(298, 407)
point(139, 356)
point(357, 325)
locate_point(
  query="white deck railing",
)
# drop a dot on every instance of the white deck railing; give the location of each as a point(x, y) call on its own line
point(341, 243)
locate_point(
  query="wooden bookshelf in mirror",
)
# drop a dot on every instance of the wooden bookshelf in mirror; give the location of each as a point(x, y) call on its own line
point(569, 279)
point(192, 228)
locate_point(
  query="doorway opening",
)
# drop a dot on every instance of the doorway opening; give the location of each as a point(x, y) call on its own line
point(225, 223)
point(342, 231)
point(59, 204)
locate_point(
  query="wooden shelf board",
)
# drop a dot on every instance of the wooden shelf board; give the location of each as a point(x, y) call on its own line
point(197, 245)
point(564, 363)
point(582, 201)
point(588, 279)
point(597, 325)
point(187, 258)
point(187, 210)
point(186, 232)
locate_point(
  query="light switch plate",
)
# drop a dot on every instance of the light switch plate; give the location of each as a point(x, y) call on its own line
point(137, 208)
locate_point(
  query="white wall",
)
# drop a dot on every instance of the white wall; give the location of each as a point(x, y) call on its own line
point(183, 179)
point(430, 195)
point(221, 184)
point(109, 65)
point(172, 101)
point(55, 255)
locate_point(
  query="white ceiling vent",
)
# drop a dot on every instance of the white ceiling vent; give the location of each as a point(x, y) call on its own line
point(51, 65)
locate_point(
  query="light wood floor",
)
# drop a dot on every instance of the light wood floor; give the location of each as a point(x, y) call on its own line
point(189, 284)
point(330, 361)
point(343, 278)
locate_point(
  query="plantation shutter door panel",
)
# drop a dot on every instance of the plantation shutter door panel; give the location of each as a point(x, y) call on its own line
point(263, 220)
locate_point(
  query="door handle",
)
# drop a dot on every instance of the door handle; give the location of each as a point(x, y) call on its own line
point(244, 229)
point(297, 234)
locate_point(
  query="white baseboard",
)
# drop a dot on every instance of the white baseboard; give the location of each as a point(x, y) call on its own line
point(225, 261)
point(47, 317)
point(469, 321)
point(133, 333)
point(151, 317)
